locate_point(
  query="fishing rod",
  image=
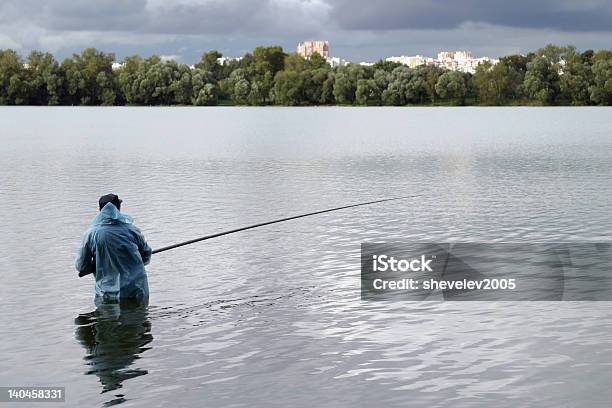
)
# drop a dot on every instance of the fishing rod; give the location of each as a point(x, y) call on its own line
point(219, 234)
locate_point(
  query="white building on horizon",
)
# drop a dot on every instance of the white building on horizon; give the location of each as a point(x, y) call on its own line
point(462, 61)
point(411, 62)
point(226, 60)
point(452, 60)
point(455, 55)
point(337, 62)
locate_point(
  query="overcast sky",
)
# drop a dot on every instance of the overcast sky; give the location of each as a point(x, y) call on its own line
point(359, 30)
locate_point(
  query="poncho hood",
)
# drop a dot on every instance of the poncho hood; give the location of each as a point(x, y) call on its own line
point(111, 215)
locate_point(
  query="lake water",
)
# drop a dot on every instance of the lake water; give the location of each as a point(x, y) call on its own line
point(273, 316)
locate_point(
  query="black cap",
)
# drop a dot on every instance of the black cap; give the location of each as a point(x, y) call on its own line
point(110, 198)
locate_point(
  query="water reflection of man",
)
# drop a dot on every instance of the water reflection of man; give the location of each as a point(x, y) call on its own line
point(114, 335)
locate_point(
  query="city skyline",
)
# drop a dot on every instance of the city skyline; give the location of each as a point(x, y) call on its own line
point(358, 30)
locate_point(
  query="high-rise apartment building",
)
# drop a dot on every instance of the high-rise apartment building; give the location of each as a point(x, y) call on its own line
point(307, 48)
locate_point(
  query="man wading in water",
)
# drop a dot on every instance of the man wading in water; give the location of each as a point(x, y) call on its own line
point(115, 251)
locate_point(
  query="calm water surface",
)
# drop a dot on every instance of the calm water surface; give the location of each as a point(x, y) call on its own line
point(272, 317)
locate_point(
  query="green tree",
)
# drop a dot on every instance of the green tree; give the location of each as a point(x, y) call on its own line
point(13, 82)
point(601, 90)
point(268, 59)
point(327, 90)
point(381, 77)
point(395, 92)
point(452, 86)
point(345, 84)
point(242, 90)
point(387, 66)
point(495, 84)
point(205, 91)
point(209, 62)
point(89, 78)
point(554, 54)
point(587, 56)
point(432, 74)
point(295, 62)
point(416, 90)
point(471, 92)
point(108, 88)
point(551, 75)
point(155, 82)
point(44, 79)
point(393, 95)
point(517, 68)
point(576, 76)
point(368, 93)
point(129, 76)
point(517, 63)
point(601, 55)
point(238, 86)
point(541, 82)
point(405, 86)
point(261, 87)
point(181, 85)
point(314, 85)
point(344, 89)
point(316, 61)
point(288, 88)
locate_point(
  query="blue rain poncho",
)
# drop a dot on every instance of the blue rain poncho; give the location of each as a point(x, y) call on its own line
point(117, 251)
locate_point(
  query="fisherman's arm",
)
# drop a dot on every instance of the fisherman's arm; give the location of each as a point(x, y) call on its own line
point(143, 247)
point(85, 262)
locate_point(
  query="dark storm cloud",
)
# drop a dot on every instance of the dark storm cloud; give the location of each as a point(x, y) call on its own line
point(254, 17)
point(98, 15)
point(68, 15)
point(167, 17)
point(357, 29)
point(164, 17)
point(214, 17)
point(577, 15)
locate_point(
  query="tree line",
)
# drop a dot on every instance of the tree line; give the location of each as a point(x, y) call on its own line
point(552, 75)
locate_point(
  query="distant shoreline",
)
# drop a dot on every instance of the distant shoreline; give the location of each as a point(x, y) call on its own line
point(550, 76)
point(300, 107)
